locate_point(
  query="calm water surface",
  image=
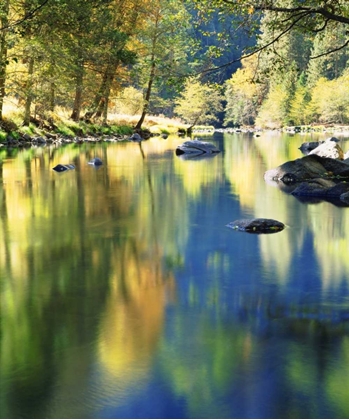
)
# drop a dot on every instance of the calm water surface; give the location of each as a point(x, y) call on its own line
point(124, 295)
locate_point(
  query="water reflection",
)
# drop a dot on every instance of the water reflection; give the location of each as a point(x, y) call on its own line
point(124, 294)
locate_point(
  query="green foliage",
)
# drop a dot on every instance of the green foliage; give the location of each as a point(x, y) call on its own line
point(330, 100)
point(129, 101)
point(273, 112)
point(243, 95)
point(198, 103)
point(293, 39)
point(123, 129)
point(65, 130)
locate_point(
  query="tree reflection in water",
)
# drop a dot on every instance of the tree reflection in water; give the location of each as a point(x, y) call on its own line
point(123, 293)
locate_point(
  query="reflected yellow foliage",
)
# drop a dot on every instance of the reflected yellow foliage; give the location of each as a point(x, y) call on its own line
point(331, 253)
point(199, 175)
point(125, 226)
point(132, 324)
point(241, 170)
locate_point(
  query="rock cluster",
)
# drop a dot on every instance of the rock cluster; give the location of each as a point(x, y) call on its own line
point(323, 173)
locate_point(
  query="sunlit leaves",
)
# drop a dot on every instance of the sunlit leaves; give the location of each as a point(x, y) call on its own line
point(243, 94)
point(198, 103)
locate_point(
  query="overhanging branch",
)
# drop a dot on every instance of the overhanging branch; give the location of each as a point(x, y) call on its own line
point(330, 51)
point(27, 16)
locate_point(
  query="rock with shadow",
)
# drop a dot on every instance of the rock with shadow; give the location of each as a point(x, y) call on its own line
point(63, 168)
point(323, 173)
point(259, 225)
point(195, 148)
point(95, 162)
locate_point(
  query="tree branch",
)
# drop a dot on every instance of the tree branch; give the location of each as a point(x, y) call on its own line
point(29, 15)
point(331, 15)
point(330, 51)
point(258, 50)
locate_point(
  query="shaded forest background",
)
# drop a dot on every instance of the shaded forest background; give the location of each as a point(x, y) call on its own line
point(97, 58)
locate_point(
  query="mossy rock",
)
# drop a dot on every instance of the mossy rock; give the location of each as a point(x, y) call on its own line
point(257, 225)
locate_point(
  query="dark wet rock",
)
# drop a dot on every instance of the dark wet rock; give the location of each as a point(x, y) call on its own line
point(63, 168)
point(321, 188)
point(26, 137)
point(164, 136)
point(196, 147)
point(96, 162)
point(308, 167)
point(39, 140)
point(257, 225)
point(136, 137)
point(311, 176)
point(309, 146)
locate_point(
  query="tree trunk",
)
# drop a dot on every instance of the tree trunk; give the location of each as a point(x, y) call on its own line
point(52, 97)
point(29, 92)
point(106, 104)
point(75, 116)
point(4, 10)
point(102, 96)
point(102, 109)
point(147, 94)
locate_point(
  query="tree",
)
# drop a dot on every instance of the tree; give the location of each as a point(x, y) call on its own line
point(164, 47)
point(243, 94)
point(125, 18)
point(330, 100)
point(286, 16)
point(4, 13)
point(198, 103)
point(299, 103)
point(274, 110)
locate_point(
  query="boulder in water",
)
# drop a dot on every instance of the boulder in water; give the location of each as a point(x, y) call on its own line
point(260, 225)
point(63, 168)
point(95, 162)
point(196, 147)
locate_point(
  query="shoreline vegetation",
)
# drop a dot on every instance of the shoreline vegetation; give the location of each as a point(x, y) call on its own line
point(58, 129)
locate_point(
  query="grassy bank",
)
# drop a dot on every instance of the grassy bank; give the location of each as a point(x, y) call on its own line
point(59, 123)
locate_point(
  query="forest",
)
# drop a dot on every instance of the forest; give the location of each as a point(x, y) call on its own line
point(266, 63)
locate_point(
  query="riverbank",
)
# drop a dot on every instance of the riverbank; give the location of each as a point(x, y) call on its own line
point(58, 128)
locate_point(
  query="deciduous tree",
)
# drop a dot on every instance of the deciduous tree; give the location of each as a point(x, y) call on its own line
point(198, 103)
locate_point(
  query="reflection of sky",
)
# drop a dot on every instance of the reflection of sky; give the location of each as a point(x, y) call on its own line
point(246, 338)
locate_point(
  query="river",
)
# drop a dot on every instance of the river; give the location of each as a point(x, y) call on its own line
point(124, 294)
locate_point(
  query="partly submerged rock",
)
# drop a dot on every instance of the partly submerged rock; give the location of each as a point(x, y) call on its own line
point(257, 225)
point(196, 147)
point(136, 137)
point(95, 162)
point(329, 149)
point(321, 188)
point(306, 168)
point(63, 168)
point(308, 146)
